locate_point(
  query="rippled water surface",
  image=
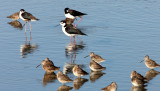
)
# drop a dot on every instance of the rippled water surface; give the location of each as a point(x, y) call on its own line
point(121, 31)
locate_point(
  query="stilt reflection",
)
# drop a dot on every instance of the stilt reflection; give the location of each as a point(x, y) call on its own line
point(28, 47)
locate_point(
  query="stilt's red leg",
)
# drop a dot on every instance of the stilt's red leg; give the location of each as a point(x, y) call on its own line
point(25, 27)
point(30, 26)
point(79, 21)
point(74, 40)
point(30, 30)
point(71, 40)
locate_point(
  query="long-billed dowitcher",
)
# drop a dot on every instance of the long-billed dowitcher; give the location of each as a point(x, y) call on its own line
point(150, 63)
point(69, 30)
point(14, 16)
point(94, 66)
point(95, 57)
point(77, 71)
point(63, 78)
point(48, 66)
point(137, 82)
point(70, 13)
point(138, 75)
point(111, 87)
point(25, 16)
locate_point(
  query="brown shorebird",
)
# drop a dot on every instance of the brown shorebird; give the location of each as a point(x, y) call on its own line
point(77, 71)
point(78, 82)
point(150, 63)
point(96, 58)
point(137, 82)
point(111, 87)
point(48, 66)
point(63, 78)
point(25, 16)
point(134, 88)
point(94, 66)
point(138, 75)
point(14, 16)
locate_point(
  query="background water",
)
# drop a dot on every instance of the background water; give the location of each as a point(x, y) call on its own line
point(121, 31)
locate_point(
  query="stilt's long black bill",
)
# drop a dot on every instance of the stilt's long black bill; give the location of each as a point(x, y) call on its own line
point(86, 56)
point(57, 25)
point(141, 61)
point(38, 65)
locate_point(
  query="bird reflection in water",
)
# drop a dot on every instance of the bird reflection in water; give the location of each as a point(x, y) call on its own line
point(16, 24)
point(27, 48)
point(151, 74)
point(140, 88)
point(64, 88)
point(71, 52)
point(95, 75)
point(78, 82)
point(49, 78)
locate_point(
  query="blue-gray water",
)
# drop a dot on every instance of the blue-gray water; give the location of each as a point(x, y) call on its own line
point(121, 31)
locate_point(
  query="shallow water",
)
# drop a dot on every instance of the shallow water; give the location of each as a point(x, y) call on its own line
point(121, 31)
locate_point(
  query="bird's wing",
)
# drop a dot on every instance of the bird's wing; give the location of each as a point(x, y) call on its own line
point(70, 29)
point(76, 13)
point(152, 62)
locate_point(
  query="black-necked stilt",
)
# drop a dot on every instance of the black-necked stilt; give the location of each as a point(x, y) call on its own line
point(25, 16)
point(70, 30)
point(14, 16)
point(72, 14)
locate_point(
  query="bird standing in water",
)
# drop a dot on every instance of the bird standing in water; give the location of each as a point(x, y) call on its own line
point(25, 16)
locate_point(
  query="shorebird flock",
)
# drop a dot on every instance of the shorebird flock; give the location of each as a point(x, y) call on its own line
point(69, 29)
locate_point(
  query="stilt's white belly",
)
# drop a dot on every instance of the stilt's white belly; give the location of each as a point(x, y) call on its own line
point(69, 16)
point(63, 29)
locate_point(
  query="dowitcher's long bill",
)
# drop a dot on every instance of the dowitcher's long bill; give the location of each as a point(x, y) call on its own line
point(111, 87)
point(69, 30)
point(77, 71)
point(63, 78)
point(138, 75)
point(72, 14)
point(137, 82)
point(14, 16)
point(96, 58)
point(48, 66)
point(25, 16)
point(94, 66)
point(150, 63)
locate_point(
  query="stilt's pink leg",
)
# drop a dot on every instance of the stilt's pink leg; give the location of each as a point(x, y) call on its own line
point(79, 21)
point(30, 30)
point(30, 26)
point(25, 27)
point(71, 40)
point(74, 40)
